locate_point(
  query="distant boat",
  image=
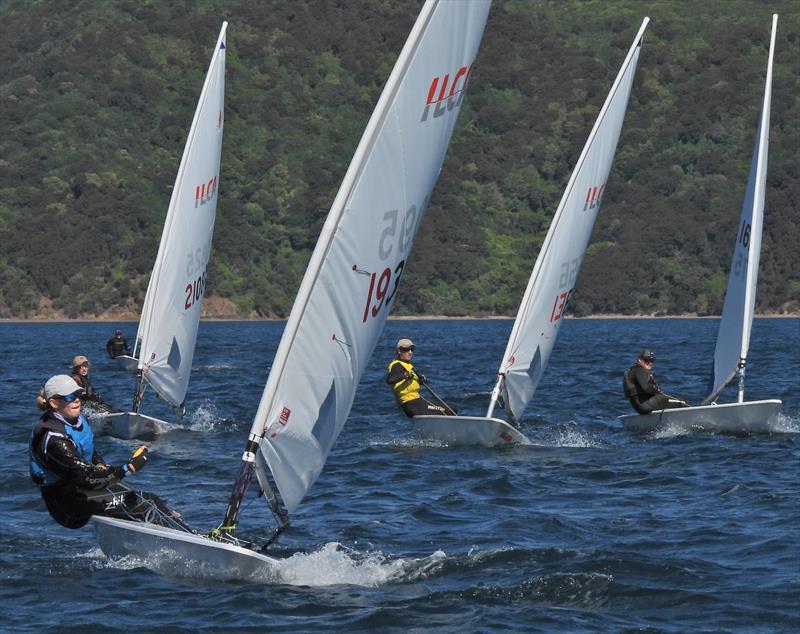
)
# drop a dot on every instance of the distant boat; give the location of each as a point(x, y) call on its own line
point(551, 283)
point(343, 300)
point(127, 362)
point(733, 337)
point(165, 341)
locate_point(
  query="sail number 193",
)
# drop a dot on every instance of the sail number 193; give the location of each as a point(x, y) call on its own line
point(378, 291)
point(566, 280)
point(394, 241)
point(560, 305)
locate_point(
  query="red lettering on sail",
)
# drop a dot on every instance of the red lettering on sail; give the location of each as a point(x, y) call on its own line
point(205, 192)
point(440, 99)
point(594, 196)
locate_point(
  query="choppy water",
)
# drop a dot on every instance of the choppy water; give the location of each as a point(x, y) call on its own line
point(597, 530)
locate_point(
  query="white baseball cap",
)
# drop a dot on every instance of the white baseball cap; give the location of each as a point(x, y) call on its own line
point(60, 385)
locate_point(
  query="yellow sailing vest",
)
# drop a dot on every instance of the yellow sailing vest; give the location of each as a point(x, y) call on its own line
point(407, 389)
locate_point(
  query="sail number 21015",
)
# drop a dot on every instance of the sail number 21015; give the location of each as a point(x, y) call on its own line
point(196, 262)
point(194, 291)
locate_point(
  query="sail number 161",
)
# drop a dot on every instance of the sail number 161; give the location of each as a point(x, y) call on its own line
point(740, 259)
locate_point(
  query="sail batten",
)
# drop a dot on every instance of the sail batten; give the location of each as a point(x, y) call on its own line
point(355, 270)
point(555, 272)
point(171, 310)
point(733, 336)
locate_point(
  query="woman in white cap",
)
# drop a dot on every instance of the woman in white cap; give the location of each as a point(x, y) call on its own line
point(641, 389)
point(74, 481)
point(406, 382)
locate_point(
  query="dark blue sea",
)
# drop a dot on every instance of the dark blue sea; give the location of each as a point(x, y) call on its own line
point(593, 530)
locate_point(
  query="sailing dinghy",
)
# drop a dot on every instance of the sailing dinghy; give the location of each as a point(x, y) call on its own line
point(127, 363)
point(551, 283)
point(165, 341)
point(344, 298)
point(733, 336)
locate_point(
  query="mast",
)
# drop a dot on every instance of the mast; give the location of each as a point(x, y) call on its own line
point(733, 336)
point(495, 395)
point(754, 248)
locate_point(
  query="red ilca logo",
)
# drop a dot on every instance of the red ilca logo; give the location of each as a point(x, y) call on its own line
point(593, 197)
point(204, 192)
point(442, 99)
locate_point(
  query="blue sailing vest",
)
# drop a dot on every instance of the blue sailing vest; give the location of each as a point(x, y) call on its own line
point(80, 434)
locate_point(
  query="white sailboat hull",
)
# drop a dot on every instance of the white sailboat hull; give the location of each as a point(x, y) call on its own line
point(176, 553)
point(127, 363)
point(468, 431)
point(753, 417)
point(129, 425)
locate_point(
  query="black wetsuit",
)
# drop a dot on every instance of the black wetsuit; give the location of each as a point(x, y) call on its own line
point(641, 389)
point(421, 407)
point(74, 482)
point(90, 395)
point(117, 346)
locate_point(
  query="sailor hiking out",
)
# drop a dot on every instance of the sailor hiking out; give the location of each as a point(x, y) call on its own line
point(406, 382)
point(73, 479)
point(641, 389)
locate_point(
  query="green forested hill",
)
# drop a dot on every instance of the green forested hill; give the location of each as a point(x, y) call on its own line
point(97, 99)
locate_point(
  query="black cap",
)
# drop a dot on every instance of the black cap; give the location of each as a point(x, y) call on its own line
point(117, 332)
point(647, 355)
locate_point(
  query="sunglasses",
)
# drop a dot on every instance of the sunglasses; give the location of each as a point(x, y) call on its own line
point(411, 349)
point(69, 398)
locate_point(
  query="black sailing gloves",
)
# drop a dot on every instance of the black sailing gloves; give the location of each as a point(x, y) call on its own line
point(138, 460)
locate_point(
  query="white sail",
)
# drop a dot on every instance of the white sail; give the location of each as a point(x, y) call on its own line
point(353, 275)
point(733, 337)
point(553, 279)
point(172, 306)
